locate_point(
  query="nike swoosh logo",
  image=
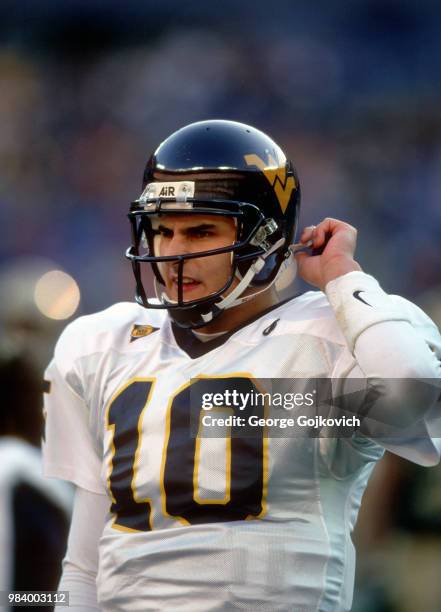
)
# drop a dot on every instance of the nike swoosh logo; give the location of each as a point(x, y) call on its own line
point(270, 328)
point(356, 295)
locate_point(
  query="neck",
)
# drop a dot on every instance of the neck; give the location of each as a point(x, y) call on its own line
point(233, 317)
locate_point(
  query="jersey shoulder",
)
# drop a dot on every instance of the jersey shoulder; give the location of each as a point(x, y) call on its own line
point(312, 314)
point(309, 306)
point(113, 327)
point(309, 313)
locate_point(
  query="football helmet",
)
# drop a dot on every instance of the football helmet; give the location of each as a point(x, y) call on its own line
point(216, 168)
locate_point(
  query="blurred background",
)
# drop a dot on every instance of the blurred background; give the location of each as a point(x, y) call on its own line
point(350, 90)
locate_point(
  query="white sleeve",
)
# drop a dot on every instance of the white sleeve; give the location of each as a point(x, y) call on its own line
point(80, 564)
point(68, 449)
point(391, 338)
point(360, 305)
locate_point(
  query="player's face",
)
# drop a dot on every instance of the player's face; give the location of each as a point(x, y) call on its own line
point(182, 234)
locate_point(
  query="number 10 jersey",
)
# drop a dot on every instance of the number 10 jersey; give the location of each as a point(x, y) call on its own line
point(201, 523)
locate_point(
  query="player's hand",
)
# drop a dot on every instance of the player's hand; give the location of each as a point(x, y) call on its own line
point(336, 243)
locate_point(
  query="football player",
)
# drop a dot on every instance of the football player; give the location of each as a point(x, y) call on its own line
point(166, 518)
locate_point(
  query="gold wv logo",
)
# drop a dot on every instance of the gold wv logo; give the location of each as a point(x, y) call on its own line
point(276, 176)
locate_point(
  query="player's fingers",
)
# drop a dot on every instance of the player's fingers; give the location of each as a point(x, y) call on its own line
point(307, 233)
point(322, 233)
point(301, 255)
point(329, 227)
point(301, 260)
point(329, 224)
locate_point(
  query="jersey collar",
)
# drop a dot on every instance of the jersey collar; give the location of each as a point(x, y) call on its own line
point(190, 344)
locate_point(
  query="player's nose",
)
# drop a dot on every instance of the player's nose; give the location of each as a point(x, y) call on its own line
point(178, 245)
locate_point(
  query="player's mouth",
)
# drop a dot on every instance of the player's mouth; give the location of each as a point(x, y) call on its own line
point(189, 284)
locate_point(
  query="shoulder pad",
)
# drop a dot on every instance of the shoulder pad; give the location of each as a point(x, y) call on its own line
point(100, 331)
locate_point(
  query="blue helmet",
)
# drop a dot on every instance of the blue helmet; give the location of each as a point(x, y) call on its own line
point(217, 167)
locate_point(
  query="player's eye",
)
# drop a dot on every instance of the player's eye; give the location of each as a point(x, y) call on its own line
point(200, 233)
point(164, 232)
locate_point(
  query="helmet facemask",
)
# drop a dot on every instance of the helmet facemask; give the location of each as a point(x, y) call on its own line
point(149, 233)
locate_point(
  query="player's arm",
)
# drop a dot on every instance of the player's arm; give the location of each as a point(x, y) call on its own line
point(70, 453)
point(388, 337)
point(80, 564)
point(69, 449)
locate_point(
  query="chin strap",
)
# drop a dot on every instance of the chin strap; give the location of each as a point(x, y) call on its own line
point(233, 299)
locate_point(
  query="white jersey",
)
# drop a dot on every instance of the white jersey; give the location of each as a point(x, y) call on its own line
point(201, 524)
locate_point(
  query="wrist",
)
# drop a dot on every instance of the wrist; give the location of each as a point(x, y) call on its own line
point(335, 269)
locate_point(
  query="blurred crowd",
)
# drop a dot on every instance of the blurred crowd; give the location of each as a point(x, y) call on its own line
point(355, 104)
point(351, 91)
